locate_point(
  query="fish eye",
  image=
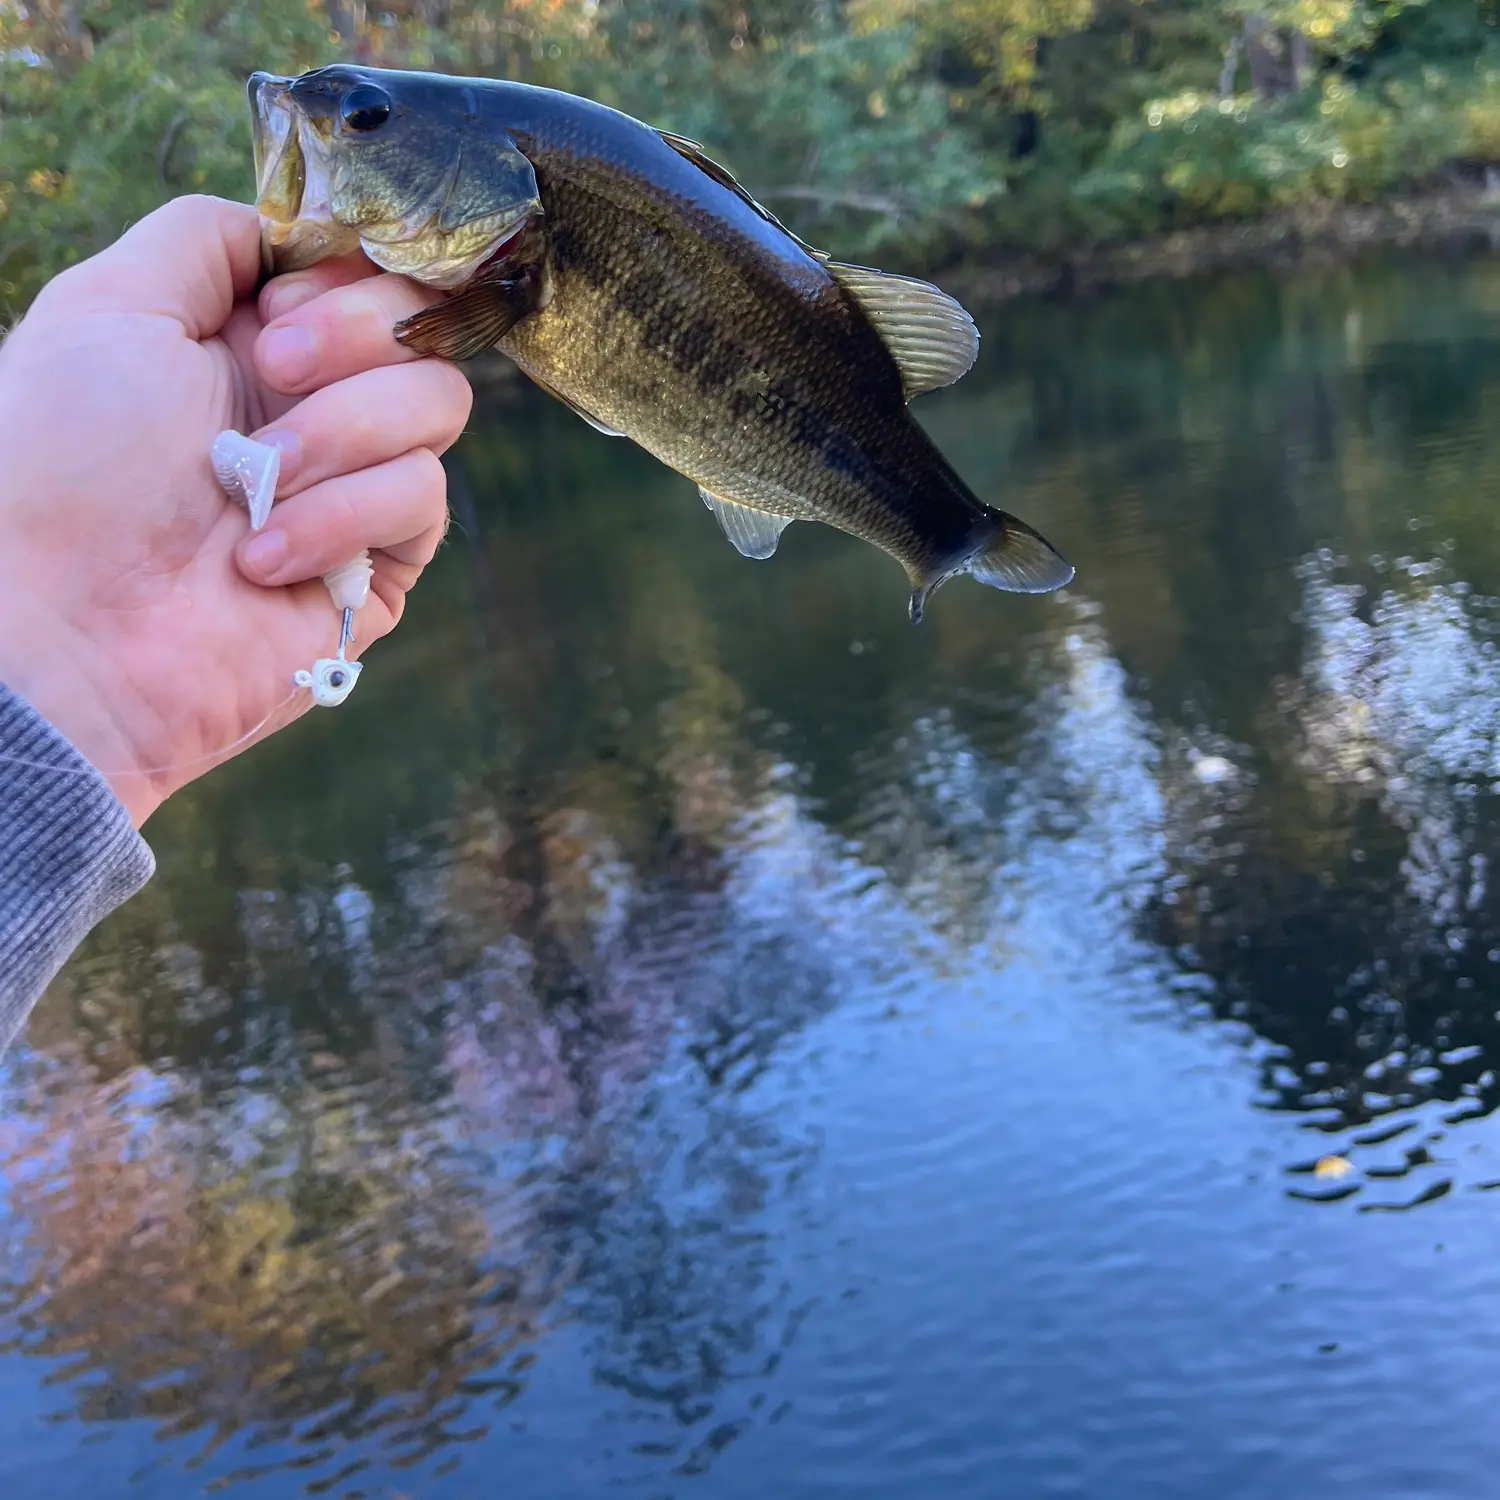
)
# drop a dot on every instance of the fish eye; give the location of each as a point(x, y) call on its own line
point(365, 107)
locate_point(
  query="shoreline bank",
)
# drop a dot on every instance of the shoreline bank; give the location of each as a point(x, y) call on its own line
point(1328, 233)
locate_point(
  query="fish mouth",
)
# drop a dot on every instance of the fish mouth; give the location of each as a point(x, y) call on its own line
point(318, 197)
point(293, 167)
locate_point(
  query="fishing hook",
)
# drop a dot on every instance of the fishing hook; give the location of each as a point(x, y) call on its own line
point(247, 472)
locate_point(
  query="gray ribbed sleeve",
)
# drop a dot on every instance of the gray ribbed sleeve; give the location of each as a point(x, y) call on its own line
point(68, 856)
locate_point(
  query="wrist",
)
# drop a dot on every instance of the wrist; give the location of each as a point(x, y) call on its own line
point(71, 684)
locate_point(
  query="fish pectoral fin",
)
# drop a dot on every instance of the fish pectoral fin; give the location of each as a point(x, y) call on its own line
point(471, 320)
point(574, 407)
point(934, 341)
point(755, 533)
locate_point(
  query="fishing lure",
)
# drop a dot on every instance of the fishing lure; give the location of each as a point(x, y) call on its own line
point(248, 472)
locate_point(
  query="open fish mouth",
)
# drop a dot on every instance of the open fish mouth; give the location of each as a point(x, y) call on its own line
point(438, 214)
point(293, 168)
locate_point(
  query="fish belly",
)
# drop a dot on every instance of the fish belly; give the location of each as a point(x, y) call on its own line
point(678, 381)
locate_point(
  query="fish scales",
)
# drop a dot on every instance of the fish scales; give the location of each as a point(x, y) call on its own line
point(651, 294)
point(707, 362)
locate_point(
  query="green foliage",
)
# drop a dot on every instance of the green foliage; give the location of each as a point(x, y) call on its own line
point(838, 130)
point(1196, 157)
point(909, 129)
point(843, 135)
point(999, 42)
point(130, 104)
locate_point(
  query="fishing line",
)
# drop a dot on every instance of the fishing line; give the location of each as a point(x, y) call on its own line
point(167, 770)
point(247, 471)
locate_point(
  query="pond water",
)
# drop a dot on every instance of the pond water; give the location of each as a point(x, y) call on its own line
point(681, 1031)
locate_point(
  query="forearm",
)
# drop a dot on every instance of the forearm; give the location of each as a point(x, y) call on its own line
point(68, 856)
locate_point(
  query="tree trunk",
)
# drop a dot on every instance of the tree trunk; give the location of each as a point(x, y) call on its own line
point(1296, 51)
point(1231, 67)
point(346, 17)
point(1277, 57)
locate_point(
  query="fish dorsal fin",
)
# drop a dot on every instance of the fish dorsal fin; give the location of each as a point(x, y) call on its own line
point(933, 339)
point(693, 152)
point(575, 408)
point(755, 533)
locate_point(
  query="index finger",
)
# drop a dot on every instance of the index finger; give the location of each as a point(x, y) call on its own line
point(341, 333)
point(190, 260)
point(286, 293)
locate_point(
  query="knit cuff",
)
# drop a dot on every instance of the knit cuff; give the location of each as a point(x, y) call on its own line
point(68, 856)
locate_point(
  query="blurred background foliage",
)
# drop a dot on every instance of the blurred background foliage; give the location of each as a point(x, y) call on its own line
point(920, 131)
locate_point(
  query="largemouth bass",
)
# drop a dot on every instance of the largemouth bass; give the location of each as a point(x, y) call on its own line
point(633, 278)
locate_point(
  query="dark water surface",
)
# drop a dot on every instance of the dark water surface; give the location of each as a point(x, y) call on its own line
point(680, 1031)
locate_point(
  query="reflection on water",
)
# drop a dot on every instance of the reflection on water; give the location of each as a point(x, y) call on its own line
point(1390, 732)
point(472, 1092)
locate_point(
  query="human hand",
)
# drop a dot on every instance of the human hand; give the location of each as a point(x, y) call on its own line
point(135, 611)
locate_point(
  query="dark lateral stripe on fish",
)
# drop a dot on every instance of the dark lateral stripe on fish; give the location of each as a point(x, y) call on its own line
point(654, 297)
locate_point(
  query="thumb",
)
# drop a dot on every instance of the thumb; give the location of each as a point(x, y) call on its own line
point(190, 260)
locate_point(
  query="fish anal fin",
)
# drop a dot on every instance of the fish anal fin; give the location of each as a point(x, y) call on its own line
point(754, 533)
point(933, 340)
point(474, 319)
point(574, 407)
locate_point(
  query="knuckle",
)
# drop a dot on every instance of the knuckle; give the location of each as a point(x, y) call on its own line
point(458, 394)
point(198, 216)
point(363, 426)
point(82, 288)
point(434, 477)
point(344, 519)
point(429, 520)
point(429, 485)
point(53, 297)
point(193, 206)
point(360, 304)
point(283, 295)
point(392, 596)
point(191, 210)
point(401, 299)
point(350, 320)
point(326, 529)
point(448, 401)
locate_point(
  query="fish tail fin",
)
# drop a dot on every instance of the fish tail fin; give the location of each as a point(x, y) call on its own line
point(1008, 554)
point(1019, 559)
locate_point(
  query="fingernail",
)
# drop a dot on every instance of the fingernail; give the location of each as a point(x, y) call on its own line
point(289, 354)
point(264, 555)
point(286, 296)
point(290, 447)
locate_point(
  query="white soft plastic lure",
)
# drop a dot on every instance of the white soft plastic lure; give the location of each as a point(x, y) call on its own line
point(248, 472)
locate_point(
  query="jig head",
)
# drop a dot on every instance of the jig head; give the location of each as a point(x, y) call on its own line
point(247, 472)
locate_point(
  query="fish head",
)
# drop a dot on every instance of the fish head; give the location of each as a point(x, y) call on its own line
point(400, 165)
